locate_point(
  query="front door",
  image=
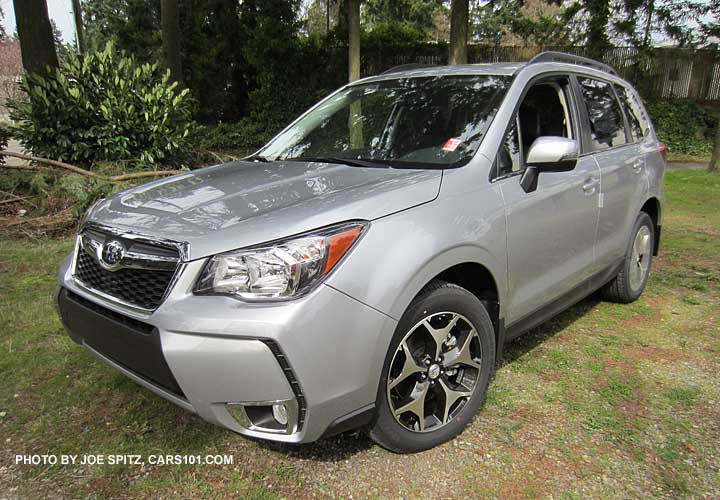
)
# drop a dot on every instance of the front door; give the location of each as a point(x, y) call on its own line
point(550, 231)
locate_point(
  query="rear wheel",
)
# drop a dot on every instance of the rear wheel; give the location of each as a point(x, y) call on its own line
point(630, 282)
point(437, 370)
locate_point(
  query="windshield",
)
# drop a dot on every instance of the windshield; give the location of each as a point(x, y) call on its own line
point(421, 122)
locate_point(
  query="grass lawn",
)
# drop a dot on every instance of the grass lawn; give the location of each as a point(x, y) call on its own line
point(687, 158)
point(604, 401)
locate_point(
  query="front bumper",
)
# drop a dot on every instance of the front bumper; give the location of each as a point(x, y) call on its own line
point(322, 353)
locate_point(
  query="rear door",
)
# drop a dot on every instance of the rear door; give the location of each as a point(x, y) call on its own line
point(608, 139)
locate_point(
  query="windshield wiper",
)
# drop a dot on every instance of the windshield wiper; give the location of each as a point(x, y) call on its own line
point(353, 162)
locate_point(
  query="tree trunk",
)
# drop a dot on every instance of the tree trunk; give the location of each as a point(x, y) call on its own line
point(36, 36)
point(79, 28)
point(458, 32)
point(648, 23)
point(353, 20)
point(714, 164)
point(170, 23)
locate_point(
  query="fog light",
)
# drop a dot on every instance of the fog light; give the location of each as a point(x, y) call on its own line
point(280, 413)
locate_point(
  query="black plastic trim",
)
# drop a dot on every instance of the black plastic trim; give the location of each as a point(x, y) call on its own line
point(354, 420)
point(540, 316)
point(291, 378)
point(656, 246)
point(130, 343)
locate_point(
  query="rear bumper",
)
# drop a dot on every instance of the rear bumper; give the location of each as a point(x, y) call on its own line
point(323, 352)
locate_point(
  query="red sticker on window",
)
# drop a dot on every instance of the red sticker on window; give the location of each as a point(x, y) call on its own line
point(451, 144)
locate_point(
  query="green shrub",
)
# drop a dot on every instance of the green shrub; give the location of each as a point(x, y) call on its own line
point(104, 106)
point(683, 126)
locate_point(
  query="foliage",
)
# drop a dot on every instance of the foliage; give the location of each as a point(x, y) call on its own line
point(683, 126)
point(290, 73)
point(215, 69)
point(134, 26)
point(5, 135)
point(104, 106)
point(598, 22)
point(416, 15)
point(710, 24)
point(84, 190)
point(384, 35)
point(518, 22)
point(244, 135)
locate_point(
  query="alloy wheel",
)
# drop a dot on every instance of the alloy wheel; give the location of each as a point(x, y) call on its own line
point(640, 259)
point(434, 372)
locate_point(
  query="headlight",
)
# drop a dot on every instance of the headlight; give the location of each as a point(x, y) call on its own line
point(280, 270)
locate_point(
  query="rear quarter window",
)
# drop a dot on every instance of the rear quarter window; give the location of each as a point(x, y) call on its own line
point(631, 109)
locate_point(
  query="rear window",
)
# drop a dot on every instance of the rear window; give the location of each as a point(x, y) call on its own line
point(607, 127)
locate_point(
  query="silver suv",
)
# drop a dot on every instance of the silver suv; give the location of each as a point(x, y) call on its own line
point(366, 267)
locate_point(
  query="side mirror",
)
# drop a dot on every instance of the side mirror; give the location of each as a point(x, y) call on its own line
point(548, 154)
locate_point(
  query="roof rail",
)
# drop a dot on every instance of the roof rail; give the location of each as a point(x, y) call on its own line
point(552, 56)
point(407, 67)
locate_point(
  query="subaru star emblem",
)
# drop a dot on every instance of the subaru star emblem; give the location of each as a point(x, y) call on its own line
point(111, 254)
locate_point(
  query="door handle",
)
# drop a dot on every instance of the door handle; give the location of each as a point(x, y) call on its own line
point(590, 184)
point(638, 166)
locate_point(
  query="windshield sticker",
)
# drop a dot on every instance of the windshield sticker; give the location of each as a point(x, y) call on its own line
point(451, 144)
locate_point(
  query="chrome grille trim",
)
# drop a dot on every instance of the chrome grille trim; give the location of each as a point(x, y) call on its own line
point(152, 255)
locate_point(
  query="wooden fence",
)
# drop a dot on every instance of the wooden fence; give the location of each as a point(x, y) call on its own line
point(660, 73)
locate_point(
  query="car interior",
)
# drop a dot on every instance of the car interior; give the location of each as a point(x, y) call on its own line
point(543, 112)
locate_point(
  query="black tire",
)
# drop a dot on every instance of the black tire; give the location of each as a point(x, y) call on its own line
point(621, 288)
point(437, 297)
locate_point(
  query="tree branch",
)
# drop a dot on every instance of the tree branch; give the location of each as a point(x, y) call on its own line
point(52, 163)
point(46, 163)
point(140, 175)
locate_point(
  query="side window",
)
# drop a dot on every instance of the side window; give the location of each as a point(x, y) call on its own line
point(509, 158)
point(636, 129)
point(544, 111)
point(607, 128)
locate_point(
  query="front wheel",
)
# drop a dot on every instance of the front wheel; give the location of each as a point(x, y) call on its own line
point(437, 370)
point(630, 282)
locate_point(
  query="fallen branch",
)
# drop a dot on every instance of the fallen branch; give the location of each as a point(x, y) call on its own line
point(207, 152)
point(12, 200)
point(46, 164)
point(53, 163)
point(31, 168)
point(11, 195)
point(140, 175)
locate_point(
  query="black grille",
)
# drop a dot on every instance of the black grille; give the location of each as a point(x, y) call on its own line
point(139, 287)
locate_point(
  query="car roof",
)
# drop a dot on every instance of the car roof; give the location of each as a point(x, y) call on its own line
point(545, 61)
point(506, 69)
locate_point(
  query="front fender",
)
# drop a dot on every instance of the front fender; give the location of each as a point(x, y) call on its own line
point(401, 253)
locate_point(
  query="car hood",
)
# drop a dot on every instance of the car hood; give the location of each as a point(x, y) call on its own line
point(238, 204)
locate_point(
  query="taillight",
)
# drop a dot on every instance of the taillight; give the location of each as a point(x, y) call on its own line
point(663, 150)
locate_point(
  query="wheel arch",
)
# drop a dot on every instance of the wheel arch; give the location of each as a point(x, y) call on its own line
point(478, 278)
